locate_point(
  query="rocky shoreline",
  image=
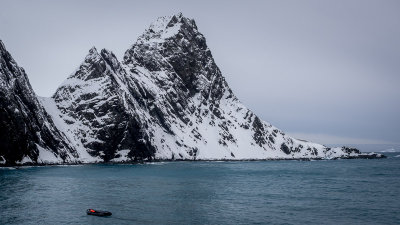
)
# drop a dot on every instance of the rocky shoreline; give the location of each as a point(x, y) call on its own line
point(371, 155)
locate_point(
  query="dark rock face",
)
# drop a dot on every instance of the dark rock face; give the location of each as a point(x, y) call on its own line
point(350, 150)
point(23, 122)
point(285, 149)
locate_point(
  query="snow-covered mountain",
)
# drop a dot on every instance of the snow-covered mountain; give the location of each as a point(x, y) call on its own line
point(167, 99)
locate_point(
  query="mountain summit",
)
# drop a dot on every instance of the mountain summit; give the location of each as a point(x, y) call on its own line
point(167, 100)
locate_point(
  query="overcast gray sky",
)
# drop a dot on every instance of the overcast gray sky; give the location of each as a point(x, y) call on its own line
point(327, 71)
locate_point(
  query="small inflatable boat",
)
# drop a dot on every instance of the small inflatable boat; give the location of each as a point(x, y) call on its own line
point(94, 212)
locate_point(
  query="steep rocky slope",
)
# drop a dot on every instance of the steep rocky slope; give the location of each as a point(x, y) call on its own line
point(27, 134)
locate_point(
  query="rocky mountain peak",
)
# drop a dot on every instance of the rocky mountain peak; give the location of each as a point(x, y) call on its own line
point(167, 26)
point(95, 64)
point(92, 54)
point(167, 29)
point(175, 45)
point(96, 74)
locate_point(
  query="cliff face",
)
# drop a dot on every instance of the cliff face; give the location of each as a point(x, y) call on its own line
point(27, 133)
point(167, 99)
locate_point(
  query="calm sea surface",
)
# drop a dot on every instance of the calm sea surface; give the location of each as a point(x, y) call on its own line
point(264, 192)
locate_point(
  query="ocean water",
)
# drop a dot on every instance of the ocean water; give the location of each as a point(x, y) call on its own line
point(258, 192)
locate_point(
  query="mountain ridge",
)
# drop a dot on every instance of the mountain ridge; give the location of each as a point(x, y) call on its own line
point(166, 100)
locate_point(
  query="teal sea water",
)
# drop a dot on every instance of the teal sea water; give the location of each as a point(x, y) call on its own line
point(258, 192)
